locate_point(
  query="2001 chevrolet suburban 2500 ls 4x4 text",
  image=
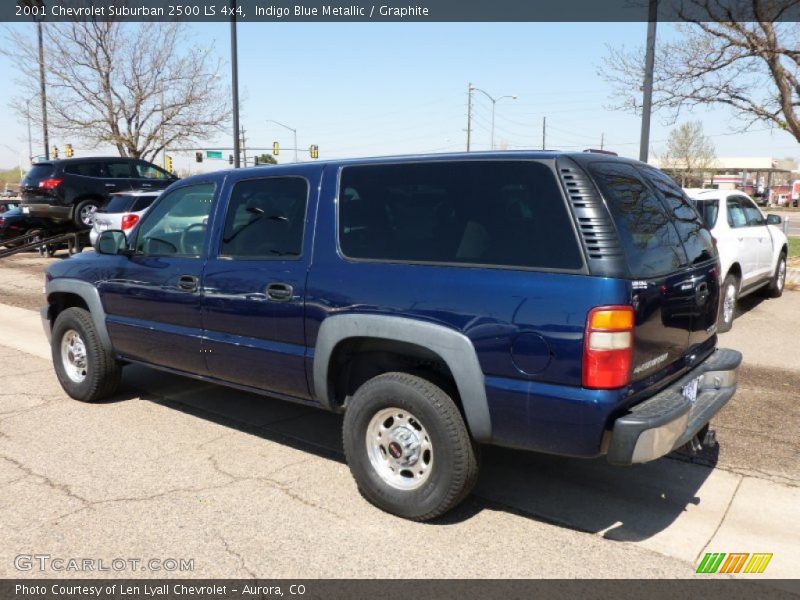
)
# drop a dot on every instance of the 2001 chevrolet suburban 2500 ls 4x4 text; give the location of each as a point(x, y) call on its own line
point(562, 303)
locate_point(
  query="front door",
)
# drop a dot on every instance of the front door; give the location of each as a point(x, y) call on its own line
point(153, 302)
point(254, 284)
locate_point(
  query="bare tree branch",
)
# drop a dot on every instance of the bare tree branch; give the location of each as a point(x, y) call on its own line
point(752, 67)
point(125, 85)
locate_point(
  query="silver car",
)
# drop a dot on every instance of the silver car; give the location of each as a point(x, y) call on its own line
point(123, 212)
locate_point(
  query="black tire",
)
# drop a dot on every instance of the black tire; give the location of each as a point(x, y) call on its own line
point(452, 459)
point(80, 208)
point(726, 316)
point(101, 372)
point(776, 285)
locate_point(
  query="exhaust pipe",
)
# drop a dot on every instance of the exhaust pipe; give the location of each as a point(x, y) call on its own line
point(708, 440)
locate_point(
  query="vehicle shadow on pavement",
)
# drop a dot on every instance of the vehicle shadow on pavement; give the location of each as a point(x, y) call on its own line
point(622, 503)
point(746, 304)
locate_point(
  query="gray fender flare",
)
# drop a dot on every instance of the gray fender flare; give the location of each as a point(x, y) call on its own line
point(455, 349)
point(89, 294)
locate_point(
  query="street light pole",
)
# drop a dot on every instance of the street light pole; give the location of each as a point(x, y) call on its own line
point(494, 105)
point(235, 86)
point(292, 129)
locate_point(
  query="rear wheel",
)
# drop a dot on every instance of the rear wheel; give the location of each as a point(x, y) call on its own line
point(727, 307)
point(775, 287)
point(84, 213)
point(85, 368)
point(408, 447)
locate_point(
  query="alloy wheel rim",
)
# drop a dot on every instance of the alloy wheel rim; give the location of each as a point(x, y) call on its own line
point(73, 356)
point(87, 214)
point(781, 274)
point(399, 448)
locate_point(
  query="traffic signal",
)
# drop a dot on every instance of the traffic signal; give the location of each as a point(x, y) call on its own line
point(230, 159)
point(68, 151)
point(275, 148)
point(198, 156)
point(168, 164)
point(314, 151)
point(55, 152)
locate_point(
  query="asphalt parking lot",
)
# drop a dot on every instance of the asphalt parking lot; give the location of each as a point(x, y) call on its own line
point(247, 486)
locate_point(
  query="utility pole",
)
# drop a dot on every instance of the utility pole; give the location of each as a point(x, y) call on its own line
point(544, 131)
point(235, 86)
point(469, 113)
point(649, 62)
point(602, 139)
point(43, 89)
point(244, 148)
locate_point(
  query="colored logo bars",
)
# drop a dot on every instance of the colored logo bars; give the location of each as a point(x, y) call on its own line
point(735, 562)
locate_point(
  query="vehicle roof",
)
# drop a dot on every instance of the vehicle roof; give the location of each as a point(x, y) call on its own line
point(53, 161)
point(714, 194)
point(244, 172)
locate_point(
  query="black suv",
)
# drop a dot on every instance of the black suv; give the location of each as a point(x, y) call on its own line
point(73, 189)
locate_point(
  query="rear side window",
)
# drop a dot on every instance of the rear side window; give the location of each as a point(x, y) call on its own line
point(694, 235)
point(494, 213)
point(648, 238)
point(40, 171)
point(708, 209)
point(736, 216)
point(121, 169)
point(85, 169)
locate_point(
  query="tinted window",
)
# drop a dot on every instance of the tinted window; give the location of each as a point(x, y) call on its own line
point(694, 235)
point(648, 238)
point(40, 171)
point(265, 218)
point(85, 169)
point(490, 213)
point(119, 169)
point(736, 216)
point(177, 225)
point(708, 209)
point(146, 170)
point(142, 202)
point(119, 203)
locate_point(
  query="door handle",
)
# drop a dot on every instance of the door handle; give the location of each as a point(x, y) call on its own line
point(280, 292)
point(111, 185)
point(187, 283)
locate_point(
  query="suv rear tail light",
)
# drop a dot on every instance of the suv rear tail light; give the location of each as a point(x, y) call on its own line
point(128, 221)
point(50, 183)
point(608, 347)
point(2, 221)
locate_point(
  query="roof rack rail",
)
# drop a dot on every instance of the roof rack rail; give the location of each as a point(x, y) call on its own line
point(596, 151)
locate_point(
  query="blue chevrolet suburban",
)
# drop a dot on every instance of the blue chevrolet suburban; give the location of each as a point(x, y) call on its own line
point(554, 302)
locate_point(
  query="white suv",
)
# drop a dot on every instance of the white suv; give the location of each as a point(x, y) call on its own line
point(752, 249)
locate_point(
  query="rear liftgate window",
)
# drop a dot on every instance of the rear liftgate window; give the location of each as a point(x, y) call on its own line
point(650, 241)
point(482, 213)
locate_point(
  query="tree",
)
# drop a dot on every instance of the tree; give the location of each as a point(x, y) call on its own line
point(689, 153)
point(137, 87)
point(751, 66)
point(267, 159)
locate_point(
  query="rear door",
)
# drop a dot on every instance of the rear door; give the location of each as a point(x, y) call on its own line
point(666, 288)
point(702, 270)
point(254, 283)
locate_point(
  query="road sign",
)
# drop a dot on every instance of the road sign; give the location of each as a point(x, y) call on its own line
point(215, 154)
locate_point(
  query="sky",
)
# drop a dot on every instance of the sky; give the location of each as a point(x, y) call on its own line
point(367, 89)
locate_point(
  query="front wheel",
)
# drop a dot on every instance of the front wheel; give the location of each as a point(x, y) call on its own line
point(727, 308)
point(407, 447)
point(775, 287)
point(85, 368)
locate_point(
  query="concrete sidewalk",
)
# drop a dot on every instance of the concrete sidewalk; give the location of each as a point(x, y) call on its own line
point(248, 485)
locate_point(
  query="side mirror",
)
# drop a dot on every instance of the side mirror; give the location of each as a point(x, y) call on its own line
point(112, 241)
point(774, 220)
